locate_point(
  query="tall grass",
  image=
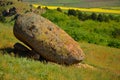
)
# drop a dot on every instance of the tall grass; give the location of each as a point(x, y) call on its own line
point(6, 35)
point(21, 68)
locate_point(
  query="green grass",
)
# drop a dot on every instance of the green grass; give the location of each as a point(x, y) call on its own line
point(105, 60)
point(102, 33)
point(6, 35)
point(22, 69)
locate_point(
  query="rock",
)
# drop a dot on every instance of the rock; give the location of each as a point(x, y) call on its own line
point(22, 51)
point(20, 47)
point(47, 39)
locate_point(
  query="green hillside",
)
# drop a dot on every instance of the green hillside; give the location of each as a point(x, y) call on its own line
point(100, 42)
point(101, 33)
point(103, 63)
point(78, 3)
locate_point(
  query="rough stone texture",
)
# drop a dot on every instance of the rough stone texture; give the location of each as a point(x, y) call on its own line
point(47, 39)
point(22, 51)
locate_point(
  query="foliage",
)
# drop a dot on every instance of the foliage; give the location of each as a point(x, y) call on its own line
point(2, 19)
point(90, 31)
point(39, 7)
point(94, 16)
point(72, 12)
point(59, 9)
point(100, 18)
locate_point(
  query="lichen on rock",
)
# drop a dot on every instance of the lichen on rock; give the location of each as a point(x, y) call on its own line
point(47, 39)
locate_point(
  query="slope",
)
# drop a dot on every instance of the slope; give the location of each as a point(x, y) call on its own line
point(105, 60)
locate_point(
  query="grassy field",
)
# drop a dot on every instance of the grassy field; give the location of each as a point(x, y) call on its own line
point(78, 3)
point(100, 63)
point(104, 62)
point(100, 10)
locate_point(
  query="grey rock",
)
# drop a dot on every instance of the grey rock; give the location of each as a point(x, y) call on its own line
point(47, 39)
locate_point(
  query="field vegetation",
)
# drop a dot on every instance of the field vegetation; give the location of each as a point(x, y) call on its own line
point(100, 10)
point(98, 35)
point(91, 31)
point(102, 63)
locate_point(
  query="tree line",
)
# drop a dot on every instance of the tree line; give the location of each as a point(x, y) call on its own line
point(101, 17)
point(94, 16)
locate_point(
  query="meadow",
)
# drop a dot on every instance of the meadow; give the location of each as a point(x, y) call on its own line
point(103, 60)
point(100, 42)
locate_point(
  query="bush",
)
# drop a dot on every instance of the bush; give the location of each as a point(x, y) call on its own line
point(93, 16)
point(114, 43)
point(72, 12)
point(39, 7)
point(116, 33)
point(2, 19)
point(80, 15)
point(59, 9)
point(100, 18)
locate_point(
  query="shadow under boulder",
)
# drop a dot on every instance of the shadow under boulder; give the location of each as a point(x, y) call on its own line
point(22, 51)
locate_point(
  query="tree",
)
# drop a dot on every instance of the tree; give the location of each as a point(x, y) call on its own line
point(111, 17)
point(39, 7)
point(2, 18)
point(100, 17)
point(105, 18)
point(83, 16)
point(59, 9)
point(93, 16)
point(80, 15)
point(46, 8)
point(72, 12)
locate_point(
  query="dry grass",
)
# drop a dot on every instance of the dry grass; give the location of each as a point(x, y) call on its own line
point(102, 57)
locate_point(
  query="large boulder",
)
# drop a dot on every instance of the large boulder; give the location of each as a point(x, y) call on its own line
point(47, 39)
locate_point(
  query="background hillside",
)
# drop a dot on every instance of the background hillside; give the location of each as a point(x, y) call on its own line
point(78, 3)
point(100, 41)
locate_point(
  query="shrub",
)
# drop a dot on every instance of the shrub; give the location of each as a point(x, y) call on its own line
point(100, 18)
point(80, 15)
point(116, 33)
point(72, 12)
point(2, 19)
point(114, 43)
point(39, 7)
point(59, 9)
point(93, 16)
